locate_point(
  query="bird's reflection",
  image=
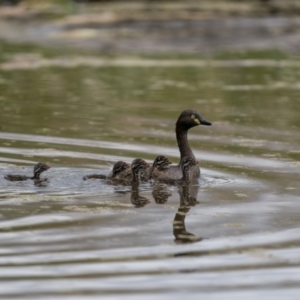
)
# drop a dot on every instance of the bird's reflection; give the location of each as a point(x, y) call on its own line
point(160, 193)
point(136, 199)
point(188, 198)
point(42, 182)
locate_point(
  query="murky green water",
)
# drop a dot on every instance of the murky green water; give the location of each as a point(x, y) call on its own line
point(76, 239)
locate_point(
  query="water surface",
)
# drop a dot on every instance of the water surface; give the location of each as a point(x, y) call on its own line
point(76, 239)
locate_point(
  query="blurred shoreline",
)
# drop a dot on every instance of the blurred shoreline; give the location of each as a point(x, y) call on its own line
point(155, 27)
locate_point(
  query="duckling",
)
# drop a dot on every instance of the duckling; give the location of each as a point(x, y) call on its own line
point(37, 170)
point(138, 166)
point(186, 164)
point(119, 168)
point(161, 163)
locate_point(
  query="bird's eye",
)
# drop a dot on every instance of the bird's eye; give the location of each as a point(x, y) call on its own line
point(195, 119)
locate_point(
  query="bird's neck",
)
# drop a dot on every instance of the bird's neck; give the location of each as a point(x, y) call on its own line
point(182, 142)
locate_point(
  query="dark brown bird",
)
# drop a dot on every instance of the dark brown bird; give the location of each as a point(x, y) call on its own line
point(187, 119)
point(186, 165)
point(37, 170)
point(161, 163)
point(119, 168)
point(138, 167)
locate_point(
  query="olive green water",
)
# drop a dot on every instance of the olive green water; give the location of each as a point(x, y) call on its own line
point(75, 239)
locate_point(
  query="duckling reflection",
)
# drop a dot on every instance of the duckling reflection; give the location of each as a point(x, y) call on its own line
point(43, 182)
point(137, 167)
point(188, 198)
point(160, 193)
point(136, 199)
